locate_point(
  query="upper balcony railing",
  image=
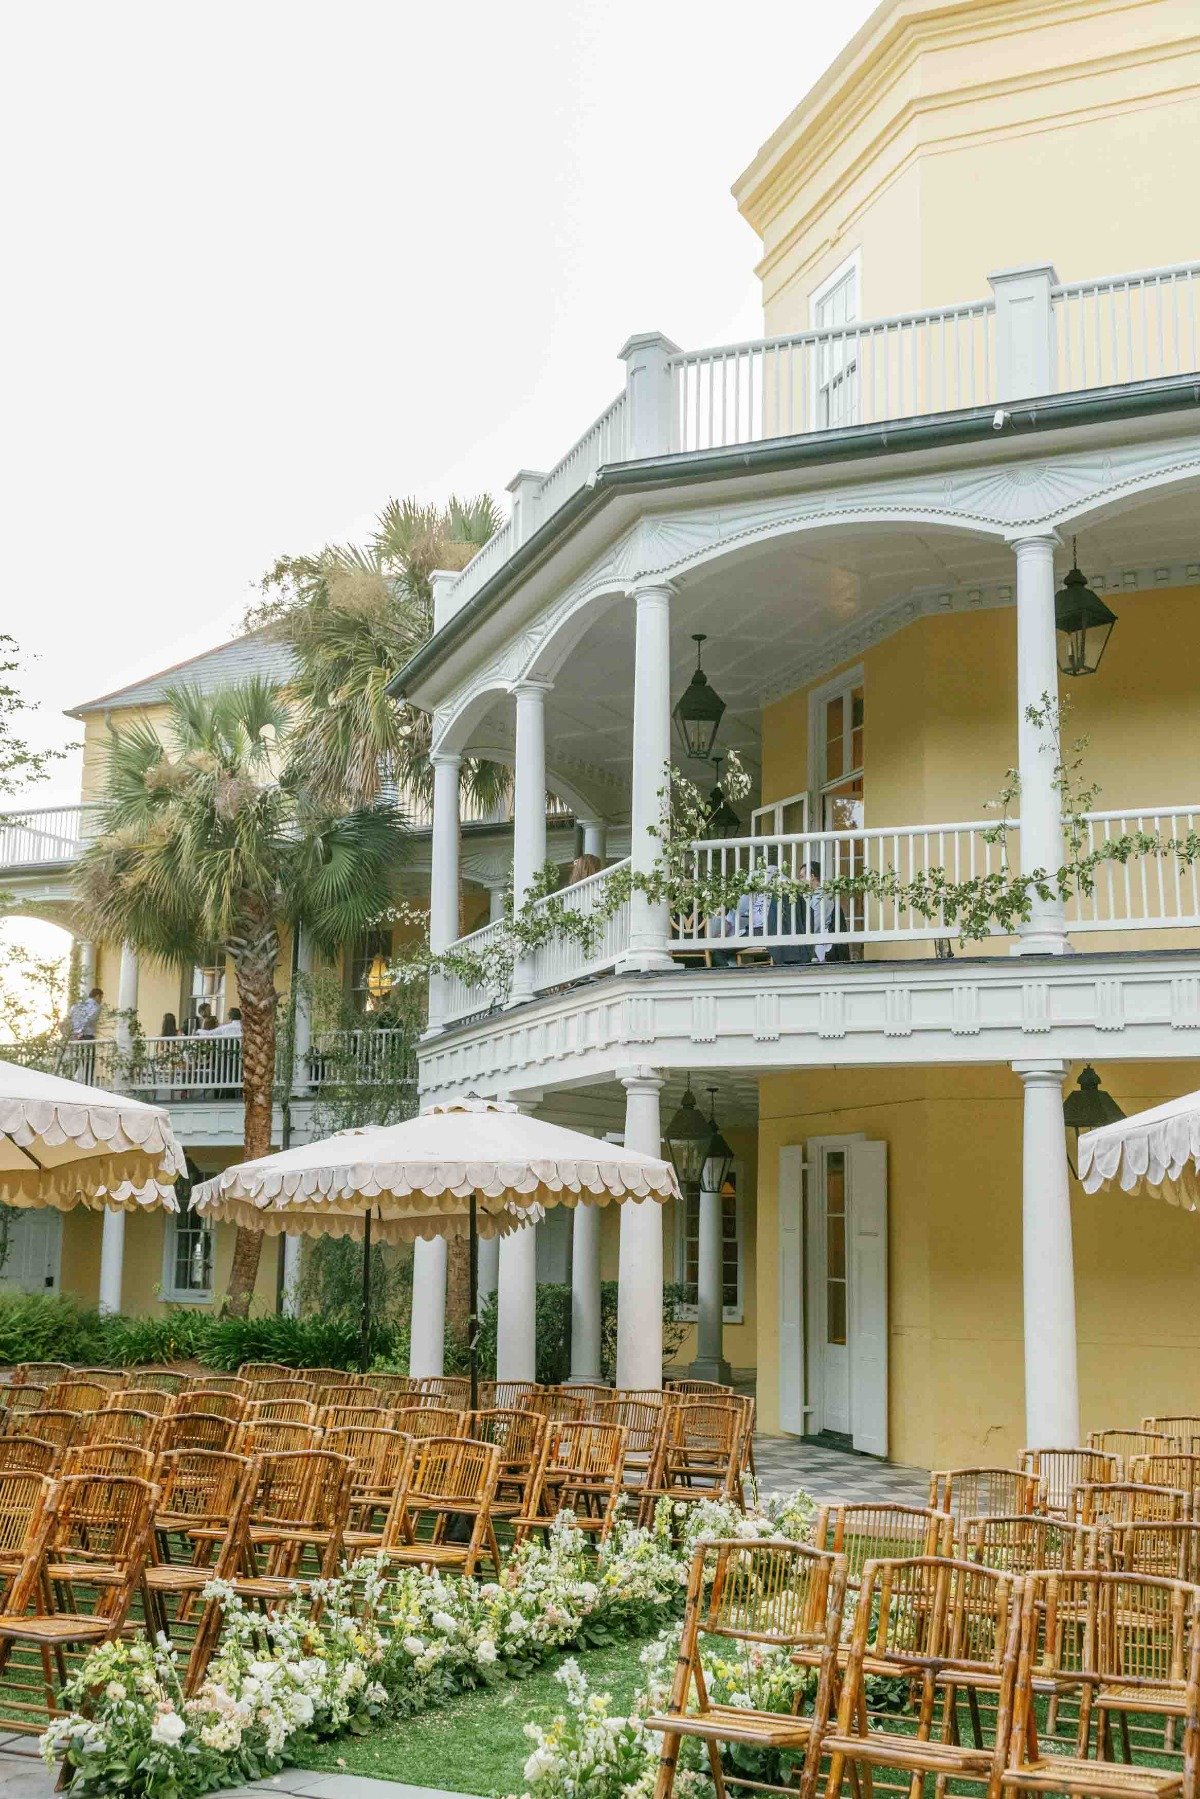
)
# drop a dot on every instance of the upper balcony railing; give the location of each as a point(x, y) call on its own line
point(1119, 329)
point(172, 1069)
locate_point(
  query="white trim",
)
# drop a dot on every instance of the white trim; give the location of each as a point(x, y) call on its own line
point(851, 264)
point(818, 696)
point(815, 1151)
point(735, 1314)
point(183, 1296)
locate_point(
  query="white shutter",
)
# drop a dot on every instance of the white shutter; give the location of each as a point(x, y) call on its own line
point(790, 1211)
point(869, 1298)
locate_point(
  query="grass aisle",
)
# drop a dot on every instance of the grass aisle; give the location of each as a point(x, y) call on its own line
point(476, 1743)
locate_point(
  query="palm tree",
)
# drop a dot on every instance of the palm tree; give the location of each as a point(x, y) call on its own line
point(209, 836)
point(354, 616)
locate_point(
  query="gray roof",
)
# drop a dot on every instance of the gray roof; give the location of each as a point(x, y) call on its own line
point(253, 655)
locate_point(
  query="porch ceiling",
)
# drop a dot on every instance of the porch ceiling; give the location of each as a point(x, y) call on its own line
point(601, 1108)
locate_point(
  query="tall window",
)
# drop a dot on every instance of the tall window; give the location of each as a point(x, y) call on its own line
point(731, 1251)
point(370, 971)
point(834, 306)
point(187, 1250)
point(835, 1247)
point(837, 749)
point(208, 984)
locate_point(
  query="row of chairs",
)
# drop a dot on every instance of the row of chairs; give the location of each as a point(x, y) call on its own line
point(1082, 1485)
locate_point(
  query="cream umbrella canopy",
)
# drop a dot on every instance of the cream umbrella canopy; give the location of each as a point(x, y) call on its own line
point(1153, 1152)
point(478, 1165)
point(63, 1144)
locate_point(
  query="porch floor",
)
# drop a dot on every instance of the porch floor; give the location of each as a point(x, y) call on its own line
point(784, 1463)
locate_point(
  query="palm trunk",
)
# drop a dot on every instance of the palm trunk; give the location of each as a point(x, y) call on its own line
point(256, 992)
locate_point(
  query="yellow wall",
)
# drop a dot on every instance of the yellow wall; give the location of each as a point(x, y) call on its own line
point(952, 141)
point(954, 1227)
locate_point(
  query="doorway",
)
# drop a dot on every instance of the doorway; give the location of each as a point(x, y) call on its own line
point(33, 1262)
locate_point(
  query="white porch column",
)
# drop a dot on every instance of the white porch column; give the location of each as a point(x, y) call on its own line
point(595, 836)
point(443, 874)
point(489, 1267)
point(649, 921)
point(112, 1260)
point(303, 1025)
point(640, 1268)
point(1037, 745)
point(516, 1306)
point(87, 966)
point(1051, 1374)
point(496, 904)
point(585, 1293)
point(529, 816)
point(427, 1342)
point(710, 1363)
point(292, 1252)
point(127, 998)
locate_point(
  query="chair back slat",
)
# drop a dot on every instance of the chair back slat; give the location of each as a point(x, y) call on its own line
point(982, 1492)
point(1129, 1502)
point(1030, 1540)
point(28, 1454)
point(1059, 1471)
point(864, 1532)
point(200, 1430)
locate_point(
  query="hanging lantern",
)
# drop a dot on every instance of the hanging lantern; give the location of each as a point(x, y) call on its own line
point(688, 1137)
point(1082, 622)
point(718, 1157)
point(723, 821)
point(379, 978)
point(1088, 1107)
point(699, 711)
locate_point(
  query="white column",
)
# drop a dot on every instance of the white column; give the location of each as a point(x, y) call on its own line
point(303, 1024)
point(516, 1306)
point(529, 812)
point(489, 1267)
point(1051, 1374)
point(710, 1363)
point(1037, 745)
point(585, 1293)
point(640, 1268)
point(443, 874)
point(649, 921)
point(427, 1342)
point(112, 1260)
point(87, 966)
point(292, 1252)
point(127, 997)
point(496, 904)
point(595, 837)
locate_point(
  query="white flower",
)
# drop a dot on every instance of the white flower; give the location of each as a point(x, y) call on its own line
point(485, 1652)
point(445, 1623)
point(116, 1689)
point(168, 1729)
point(539, 1763)
point(413, 1646)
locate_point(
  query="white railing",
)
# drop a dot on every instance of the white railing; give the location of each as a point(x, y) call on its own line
point(45, 836)
point(211, 1067)
point(463, 998)
point(563, 958)
point(1145, 893)
point(858, 374)
point(1125, 328)
point(602, 442)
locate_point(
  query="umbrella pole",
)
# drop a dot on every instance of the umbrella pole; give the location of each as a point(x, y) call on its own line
point(364, 1345)
point(473, 1301)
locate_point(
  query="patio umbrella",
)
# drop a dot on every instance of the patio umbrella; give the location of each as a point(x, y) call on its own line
point(63, 1144)
point(474, 1165)
point(1153, 1152)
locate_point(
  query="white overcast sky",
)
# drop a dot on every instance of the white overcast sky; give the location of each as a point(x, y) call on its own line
point(268, 263)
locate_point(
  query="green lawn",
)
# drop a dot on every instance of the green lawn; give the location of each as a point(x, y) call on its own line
point(476, 1743)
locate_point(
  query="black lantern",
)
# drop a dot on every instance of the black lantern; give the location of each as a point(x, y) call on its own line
point(723, 821)
point(1088, 1107)
point(1082, 622)
point(699, 711)
point(718, 1150)
point(688, 1137)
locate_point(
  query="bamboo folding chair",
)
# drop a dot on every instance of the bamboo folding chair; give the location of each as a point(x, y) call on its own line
point(445, 1479)
point(642, 1422)
point(253, 1372)
point(1182, 1426)
point(30, 1396)
point(160, 1380)
point(214, 1400)
point(41, 1374)
point(1129, 1647)
point(433, 1421)
point(219, 1383)
point(1180, 1469)
point(695, 1388)
point(700, 1455)
point(950, 1628)
point(200, 1430)
point(142, 1399)
point(555, 1404)
point(519, 1436)
point(24, 1495)
point(504, 1395)
point(77, 1396)
point(32, 1455)
point(342, 1393)
point(376, 1456)
point(591, 1393)
point(1059, 1471)
point(109, 1458)
point(1171, 1551)
point(273, 1436)
point(59, 1428)
point(365, 1417)
point(582, 1470)
point(451, 1390)
point(1129, 1502)
point(781, 1595)
point(287, 1391)
point(281, 1411)
point(141, 1428)
point(199, 1496)
point(870, 1531)
point(1021, 1543)
point(982, 1492)
point(394, 1389)
point(111, 1379)
point(1126, 1444)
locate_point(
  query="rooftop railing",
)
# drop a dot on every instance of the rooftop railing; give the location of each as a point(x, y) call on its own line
point(45, 836)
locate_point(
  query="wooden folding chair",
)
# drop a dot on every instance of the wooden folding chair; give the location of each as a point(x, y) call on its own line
point(433, 1421)
point(60, 1428)
point(782, 1595)
point(1058, 1471)
point(582, 1470)
point(1126, 1444)
point(444, 1479)
point(74, 1395)
point(450, 1390)
point(200, 1492)
point(109, 1458)
point(200, 1430)
point(504, 1395)
point(701, 1454)
point(1180, 1469)
point(376, 1456)
point(1020, 1543)
point(112, 1426)
point(1128, 1647)
point(142, 1399)
point(216, 1401)
point(159, 1380)
point(1129, 1502)
point(950, 1628)
point(272, 1436)
point(40, 1374)
point(982, 1492)
point(519, 1437)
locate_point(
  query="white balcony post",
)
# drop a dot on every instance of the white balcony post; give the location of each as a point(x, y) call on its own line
point(442, 582)
point(1048, 1270)
point(112, 1259)
point(529, 811)
point(292, 1253)
point(127, 998)
point(87, 966)
point(443, 874)
point(525, 488)
point(489, 1267)
point(640, 1264)
point(1037, 744)
point(496, 903)
point(1024, 331)
point(302, 1038)
point(585, 1293)
point(648, 391)
point(595, 837)
point(649, 920)
point(516, 1306)
point(427, 1338)
point(710, 1363)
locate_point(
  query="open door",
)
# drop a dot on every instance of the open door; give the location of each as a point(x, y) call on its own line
point(845, 1300)
point(869, 1298)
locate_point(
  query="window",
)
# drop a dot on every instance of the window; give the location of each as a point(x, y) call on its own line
point(208, 984)
point(370, 971)
point(688, 1250)
point(187, 1250)
point(834, 308)
point(835, 1247)
point(837, 750)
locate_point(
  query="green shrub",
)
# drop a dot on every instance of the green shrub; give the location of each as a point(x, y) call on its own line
point(554, 1330)
point(296, 1342)
point(49, 1327)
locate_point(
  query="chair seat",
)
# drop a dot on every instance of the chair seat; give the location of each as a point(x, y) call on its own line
point(1073, 1774)
point(892, 1750)
point(733, 1723)
point(428, 1555)
point(94, 1573)
point(177, 1577)
point(61, 1627)
point(1167, 1700)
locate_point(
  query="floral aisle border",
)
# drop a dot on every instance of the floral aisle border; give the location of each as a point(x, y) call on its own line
point(385, 1646)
